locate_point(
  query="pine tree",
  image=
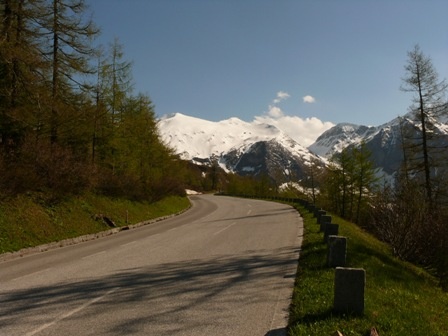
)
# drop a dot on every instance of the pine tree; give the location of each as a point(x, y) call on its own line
point(119, 73)
point(364, 177)
point(68, 51)
point(313, 174)
point(348, 181)
point(20, 69)
point(421, 79)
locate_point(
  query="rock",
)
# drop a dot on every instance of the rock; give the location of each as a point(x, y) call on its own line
point(105, 219)
point(337, 333)
point(374, 332)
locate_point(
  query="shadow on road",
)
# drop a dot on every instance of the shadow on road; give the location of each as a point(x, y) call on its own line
point(162, 295)
point(277, 332)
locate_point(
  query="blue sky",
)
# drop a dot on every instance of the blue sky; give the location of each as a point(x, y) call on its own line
point(216, 59)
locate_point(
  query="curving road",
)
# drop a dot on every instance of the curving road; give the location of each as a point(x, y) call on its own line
point(225, 267)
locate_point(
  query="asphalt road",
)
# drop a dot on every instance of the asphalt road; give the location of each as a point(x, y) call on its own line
point(225, 267)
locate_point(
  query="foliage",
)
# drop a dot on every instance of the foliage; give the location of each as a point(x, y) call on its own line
point(348, 183)
point(34, 219)
point(412, 215)
point(67, 127)
point(428, 104)
point(400, 299)
point(416, 231)
point(259, 186)
point(312, 180)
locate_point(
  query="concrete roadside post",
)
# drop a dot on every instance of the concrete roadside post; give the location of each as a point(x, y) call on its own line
point(330, 230)
point(311, 208)
point(349, 287)
point(337, 251)
point(320, 213)
point(324, 220)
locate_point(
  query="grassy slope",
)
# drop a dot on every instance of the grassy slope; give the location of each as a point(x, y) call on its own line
point(400, 299)
point(28, 221)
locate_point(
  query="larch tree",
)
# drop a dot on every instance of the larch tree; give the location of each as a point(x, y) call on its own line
point(20, 68)
point(118, 73)
point(313, 172)
point(364, 177)
point(428, 103)
point(68, 51)
point(112, 98)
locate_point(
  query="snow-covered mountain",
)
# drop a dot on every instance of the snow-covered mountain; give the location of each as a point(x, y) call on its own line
point(259, 148)
point(339, 137)
point(238, 146)
point(384, 141)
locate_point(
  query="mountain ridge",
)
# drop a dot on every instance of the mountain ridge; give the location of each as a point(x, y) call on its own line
point(234, 144)
point(259, 148)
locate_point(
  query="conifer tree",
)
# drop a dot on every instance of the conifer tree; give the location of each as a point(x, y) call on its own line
point(364, 177)
point(348, 180)
point(68, 51)
point(313, 175)
point(20, 69)
point(421, 79)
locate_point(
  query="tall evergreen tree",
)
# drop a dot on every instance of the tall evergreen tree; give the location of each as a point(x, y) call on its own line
point(313, 175)
point(20, 66)
point(113, 93)
point(68, 51)
point(119, 73)
point(364, 177)
point(348, 181)
point(421, 79)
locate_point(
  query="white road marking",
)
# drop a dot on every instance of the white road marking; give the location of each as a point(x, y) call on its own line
point(130, 243)
point(249, 212)
point(228, 226)
point(31, 274)
point(70, 313)
point(93, 255)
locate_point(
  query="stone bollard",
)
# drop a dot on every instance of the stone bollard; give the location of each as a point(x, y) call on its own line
point(324, 220)
point(337, 251)
point(349, 285)
point(320, 213)
point(330, 230)
point(311, 208)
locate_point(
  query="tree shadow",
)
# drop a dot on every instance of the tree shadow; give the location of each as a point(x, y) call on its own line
point(262, 213)
point(277, 332)
point(163, 293)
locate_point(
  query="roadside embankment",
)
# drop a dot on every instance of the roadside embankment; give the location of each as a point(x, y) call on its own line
point(30, 225)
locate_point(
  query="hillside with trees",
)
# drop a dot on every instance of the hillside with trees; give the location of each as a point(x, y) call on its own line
point(409, 213)
point(70, 122)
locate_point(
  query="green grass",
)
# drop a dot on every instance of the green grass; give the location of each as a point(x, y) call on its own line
point(400, 299)
point(28, 220)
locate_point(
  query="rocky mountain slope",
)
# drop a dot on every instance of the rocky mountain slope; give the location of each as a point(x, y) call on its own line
point(237, 146)
point(384, 141)
point(255, 148)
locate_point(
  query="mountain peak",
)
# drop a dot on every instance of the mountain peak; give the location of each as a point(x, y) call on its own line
point(339, 137)
point(231, 140)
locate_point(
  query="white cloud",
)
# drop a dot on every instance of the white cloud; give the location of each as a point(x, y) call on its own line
point(304, 131)
point(309, 99)
point(275, 112)
point(281, 95)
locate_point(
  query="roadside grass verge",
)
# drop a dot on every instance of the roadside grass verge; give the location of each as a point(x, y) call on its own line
point(400, 299)
point(28, 220)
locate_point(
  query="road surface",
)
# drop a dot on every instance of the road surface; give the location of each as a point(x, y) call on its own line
point(225, 267)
